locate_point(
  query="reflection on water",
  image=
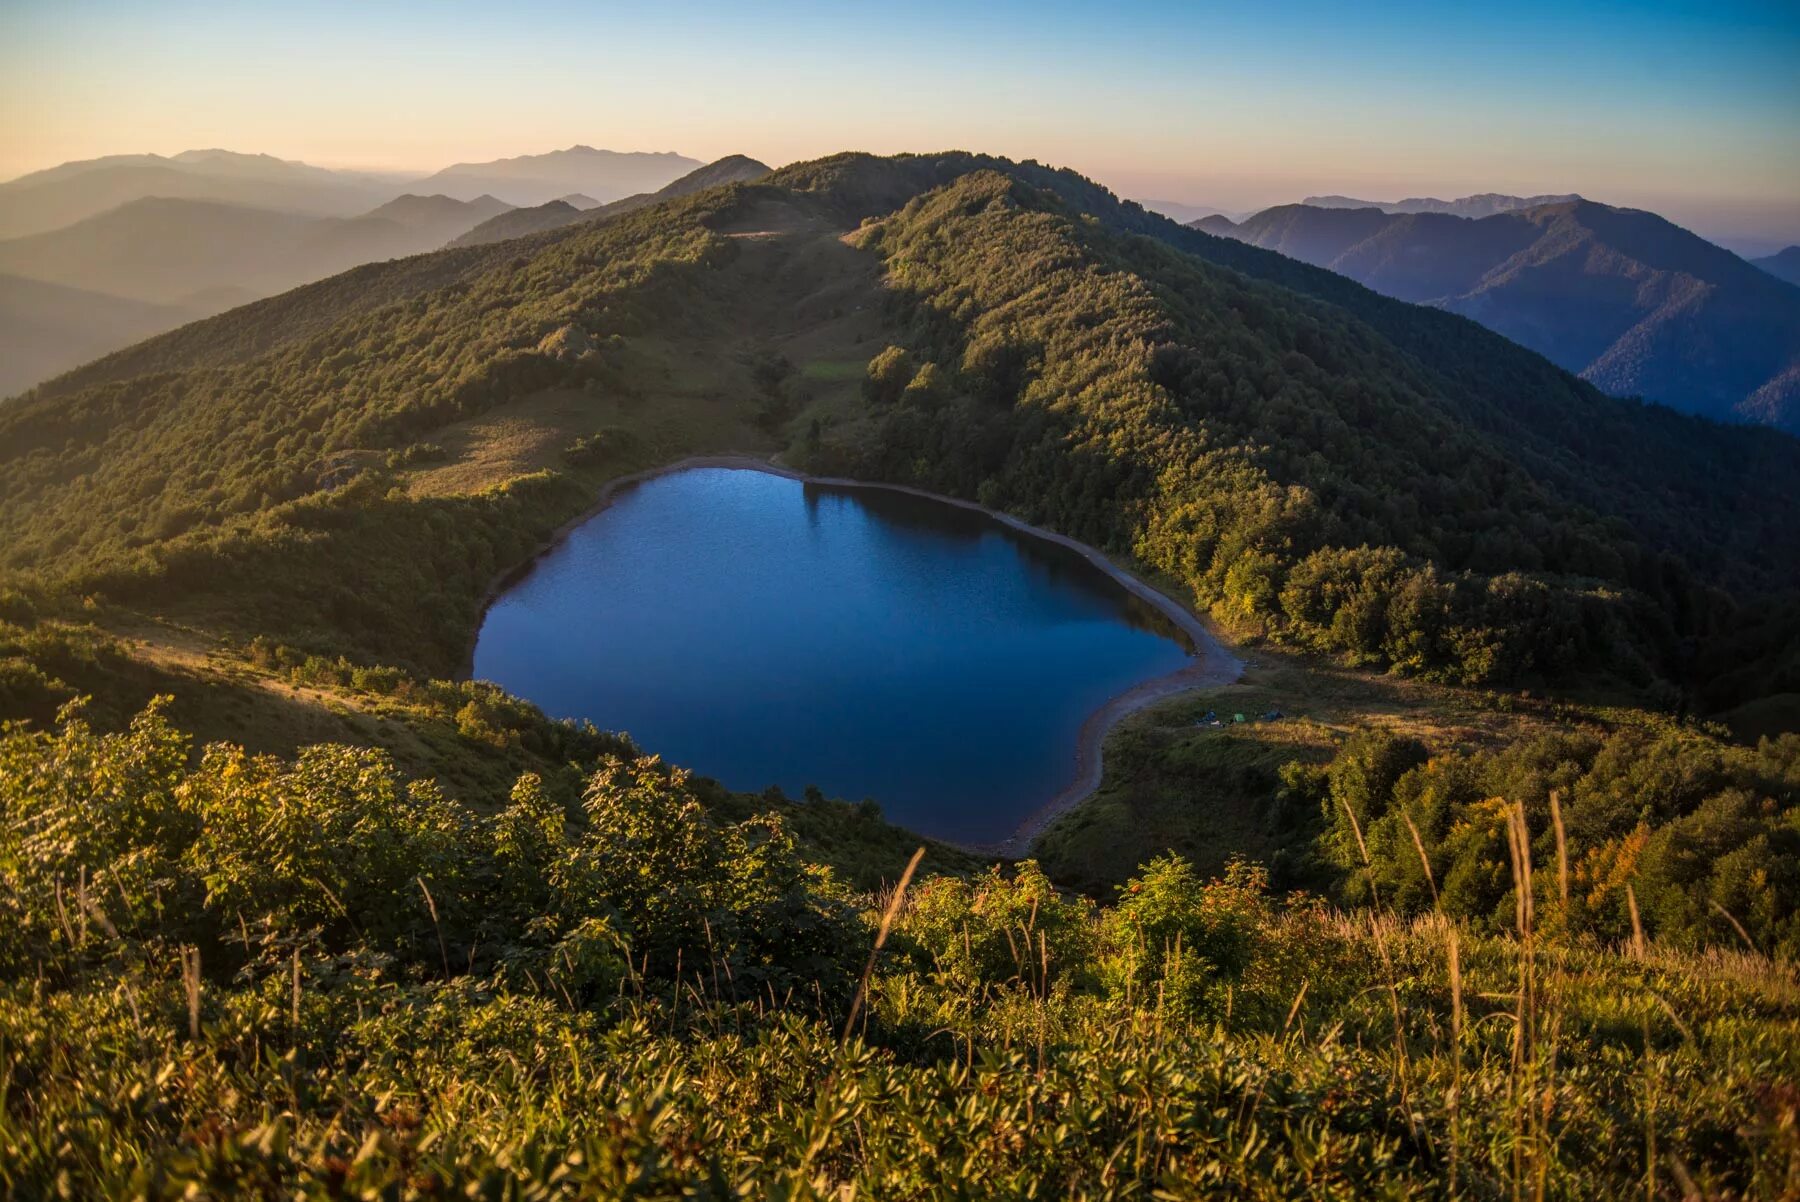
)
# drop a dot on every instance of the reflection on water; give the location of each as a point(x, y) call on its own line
point(1056, 565)
point(874, 643)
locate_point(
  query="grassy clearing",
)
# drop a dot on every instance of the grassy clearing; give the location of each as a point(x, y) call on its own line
point(834, 370)
point(1170, 783)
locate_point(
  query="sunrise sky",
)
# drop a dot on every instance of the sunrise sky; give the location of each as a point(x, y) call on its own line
point(1690, 109)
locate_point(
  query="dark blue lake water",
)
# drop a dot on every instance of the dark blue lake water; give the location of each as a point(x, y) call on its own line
point(766, 632)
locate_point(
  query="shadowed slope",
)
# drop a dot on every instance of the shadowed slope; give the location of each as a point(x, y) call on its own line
point(1633, 303)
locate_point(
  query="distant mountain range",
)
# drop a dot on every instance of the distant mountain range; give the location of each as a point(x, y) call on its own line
point(48, 328)
point(152, 242)
point(518, 222)
point(1187, 214)
point(153, 263)
point(1483, 204)
point(1624, 298)
point(1783, 265)
point(168, 250)
point(534, 179)
point(1627, 300)
point(60, 196)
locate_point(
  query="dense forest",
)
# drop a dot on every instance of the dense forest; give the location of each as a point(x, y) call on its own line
point(327, 920)
point(1304, 481)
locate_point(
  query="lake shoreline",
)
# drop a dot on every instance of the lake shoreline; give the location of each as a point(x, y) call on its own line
point(1213, 666)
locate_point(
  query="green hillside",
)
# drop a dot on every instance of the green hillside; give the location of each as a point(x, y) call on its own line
point(287, 908)
point(1269, 452)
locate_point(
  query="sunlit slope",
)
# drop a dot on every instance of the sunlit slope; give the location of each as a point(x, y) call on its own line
point(1313, 461)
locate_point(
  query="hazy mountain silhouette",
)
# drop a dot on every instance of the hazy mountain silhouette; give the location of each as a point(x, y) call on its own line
point(45, 329)
point(1632, 302)
point(421, 212)
point(1783, 265)
point(1482, 204)
point(169, 250)
point(534, 179)
point(536, 219)
point(60, 196)
point(1187, 214)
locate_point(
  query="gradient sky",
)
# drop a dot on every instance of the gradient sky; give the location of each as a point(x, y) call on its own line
point(1690, 109)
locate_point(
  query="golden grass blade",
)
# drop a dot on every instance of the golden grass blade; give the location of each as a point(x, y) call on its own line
point(881, 934)
point(1562, 851)
point(1637, 925)
point(1738, 927)
point(1424, 861)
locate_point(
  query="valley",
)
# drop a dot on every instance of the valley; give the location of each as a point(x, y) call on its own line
point(1500, 614)
point(1627, 300)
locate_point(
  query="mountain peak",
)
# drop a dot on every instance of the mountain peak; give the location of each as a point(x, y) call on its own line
point(533, 179)
point(1627, 299)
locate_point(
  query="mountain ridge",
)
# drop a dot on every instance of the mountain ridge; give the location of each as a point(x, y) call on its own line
point(188, 259)
point(1332, 415)
point(1629, 300)
point(532, 179)
point(735, 168)
point(57, 197)
point(1784, 265)
point(163, 249)
point(1481, 204)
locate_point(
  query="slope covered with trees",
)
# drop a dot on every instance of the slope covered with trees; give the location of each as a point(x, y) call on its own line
point(1365, 478)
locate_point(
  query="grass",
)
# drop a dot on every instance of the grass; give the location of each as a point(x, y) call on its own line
point(1668, 1071)
point(835, 371)
point(1211, 793)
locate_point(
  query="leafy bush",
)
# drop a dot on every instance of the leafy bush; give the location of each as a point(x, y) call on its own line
point(310, 977)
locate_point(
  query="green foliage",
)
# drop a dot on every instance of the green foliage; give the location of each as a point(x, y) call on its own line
point(312, 977)
point(1703, 833)
point(1316, 464)
point(1000, 929)
point(414, 454)
point(889, 373)
point(1184, 940)
point(1283, 460)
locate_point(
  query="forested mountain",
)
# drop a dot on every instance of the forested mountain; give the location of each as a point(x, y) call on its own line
point(1482, 204)
point(60, 196)
point(1495, 518)
point(1784, 265)
point(731, 169)
point(1633, 303)
point(534, 179)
